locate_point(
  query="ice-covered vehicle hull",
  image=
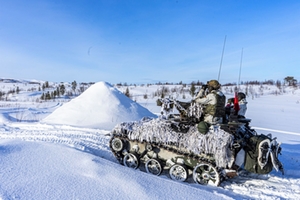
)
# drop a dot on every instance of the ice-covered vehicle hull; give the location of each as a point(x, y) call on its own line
point(173, 143)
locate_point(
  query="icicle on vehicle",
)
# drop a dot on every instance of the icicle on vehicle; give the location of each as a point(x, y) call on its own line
point(172, 142)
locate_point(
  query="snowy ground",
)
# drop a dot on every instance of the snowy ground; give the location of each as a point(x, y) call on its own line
point(53, 159)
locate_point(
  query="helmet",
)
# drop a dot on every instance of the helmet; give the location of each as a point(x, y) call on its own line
point(214, 84)
point(241, 96)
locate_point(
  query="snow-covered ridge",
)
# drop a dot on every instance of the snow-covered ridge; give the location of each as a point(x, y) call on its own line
point(11, 80)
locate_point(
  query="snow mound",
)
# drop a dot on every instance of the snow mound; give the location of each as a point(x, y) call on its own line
point(100, 106)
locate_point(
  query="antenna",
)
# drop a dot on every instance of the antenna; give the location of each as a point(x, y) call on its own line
point(240, 69)
point(222, 58)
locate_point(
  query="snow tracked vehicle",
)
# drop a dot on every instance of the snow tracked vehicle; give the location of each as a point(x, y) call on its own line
point(173, 143)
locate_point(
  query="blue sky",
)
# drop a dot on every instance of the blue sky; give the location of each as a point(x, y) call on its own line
point(147, 41)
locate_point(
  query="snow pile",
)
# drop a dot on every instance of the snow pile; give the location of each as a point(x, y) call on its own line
point(100, 106)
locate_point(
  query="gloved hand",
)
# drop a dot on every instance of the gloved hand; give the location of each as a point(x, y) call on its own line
point(204, 87)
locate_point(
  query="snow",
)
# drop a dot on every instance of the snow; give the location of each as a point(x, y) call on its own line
point(65, 173)
point(59, 150)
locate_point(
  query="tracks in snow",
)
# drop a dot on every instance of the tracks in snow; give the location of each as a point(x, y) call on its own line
point(269, 186)
point(88, 140)
point(276, 131)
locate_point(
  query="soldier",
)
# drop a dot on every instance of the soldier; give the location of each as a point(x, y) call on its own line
point(213, 101)
point(240, 112)
point(228, 109)
point(242, 104)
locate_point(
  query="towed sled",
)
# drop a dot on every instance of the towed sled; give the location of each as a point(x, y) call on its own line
point(173, 143)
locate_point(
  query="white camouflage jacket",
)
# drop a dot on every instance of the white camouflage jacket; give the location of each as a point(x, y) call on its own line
point(209, 98)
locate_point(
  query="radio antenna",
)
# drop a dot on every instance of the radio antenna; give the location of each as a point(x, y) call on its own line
point(222, 58)
point(240, 69)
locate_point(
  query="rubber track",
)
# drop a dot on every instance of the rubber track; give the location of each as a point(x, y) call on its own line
point(200, 159)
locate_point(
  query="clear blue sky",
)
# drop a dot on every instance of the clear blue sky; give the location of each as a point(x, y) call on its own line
point(146, 41)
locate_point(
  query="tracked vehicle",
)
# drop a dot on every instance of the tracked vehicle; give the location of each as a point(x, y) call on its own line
point(173, 143)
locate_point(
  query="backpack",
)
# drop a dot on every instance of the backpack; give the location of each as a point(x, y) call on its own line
point(252, 153)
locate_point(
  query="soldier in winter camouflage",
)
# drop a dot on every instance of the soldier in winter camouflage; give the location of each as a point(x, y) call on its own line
point(242, 107)
point(242, 104)
point(213, 101)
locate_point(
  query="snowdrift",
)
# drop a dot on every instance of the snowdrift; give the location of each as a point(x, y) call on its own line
point(100, 106)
